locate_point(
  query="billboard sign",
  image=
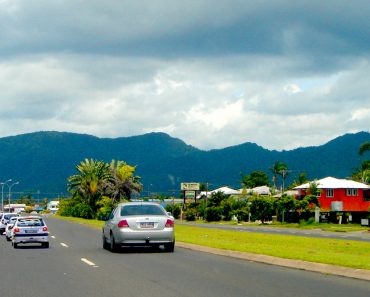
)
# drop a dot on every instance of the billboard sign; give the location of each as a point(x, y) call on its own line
point(190, 186)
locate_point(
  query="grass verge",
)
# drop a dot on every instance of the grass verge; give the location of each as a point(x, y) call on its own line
point(348, 253)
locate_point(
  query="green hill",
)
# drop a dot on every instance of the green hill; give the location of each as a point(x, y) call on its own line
point(42, 161)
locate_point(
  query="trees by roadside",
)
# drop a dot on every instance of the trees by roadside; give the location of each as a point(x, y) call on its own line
point(98, 186)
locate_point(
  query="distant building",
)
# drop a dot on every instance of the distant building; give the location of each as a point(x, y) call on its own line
point(14, 207)
point(53, 206)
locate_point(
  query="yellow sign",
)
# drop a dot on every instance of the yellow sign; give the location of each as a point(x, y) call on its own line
point(190, 186)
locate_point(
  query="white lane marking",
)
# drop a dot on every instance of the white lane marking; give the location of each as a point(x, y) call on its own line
point(52, 236)
point(63, 244)
point(88, 262)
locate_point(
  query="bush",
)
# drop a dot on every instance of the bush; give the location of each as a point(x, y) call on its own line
point(190, 214)
point(214, 214)
point(175, 209)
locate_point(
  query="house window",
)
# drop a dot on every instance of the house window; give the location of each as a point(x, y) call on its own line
point(351, 192)
point(329, 193)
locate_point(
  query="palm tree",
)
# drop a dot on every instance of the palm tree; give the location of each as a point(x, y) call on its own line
point(279, 168)
point(124, 182)
point(88, 183)
point(363, 148)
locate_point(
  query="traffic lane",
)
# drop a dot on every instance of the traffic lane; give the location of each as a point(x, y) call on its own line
point(188, 273)
point(34, 271)
point(286, 231)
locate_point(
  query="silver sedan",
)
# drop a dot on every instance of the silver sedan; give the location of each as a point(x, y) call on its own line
point(139, 224)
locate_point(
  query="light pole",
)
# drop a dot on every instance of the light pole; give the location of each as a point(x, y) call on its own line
point(2, 193)
point(10, 191)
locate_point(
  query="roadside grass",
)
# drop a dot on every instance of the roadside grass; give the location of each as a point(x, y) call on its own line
point(349, 253)
point(341, 252)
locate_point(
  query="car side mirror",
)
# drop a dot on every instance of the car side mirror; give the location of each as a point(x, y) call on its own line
point(104, 218)
point(10, 227)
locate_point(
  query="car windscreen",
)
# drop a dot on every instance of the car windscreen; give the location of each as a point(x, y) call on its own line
point(30, 222)
point(142, 209)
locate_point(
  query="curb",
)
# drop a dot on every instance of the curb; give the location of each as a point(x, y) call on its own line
point(362, 274)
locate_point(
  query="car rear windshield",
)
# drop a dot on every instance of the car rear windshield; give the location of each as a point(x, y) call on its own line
point(7, 217)
point(144, 209)
point(30, 222)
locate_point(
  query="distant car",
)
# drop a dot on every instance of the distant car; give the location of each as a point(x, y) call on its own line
point(4, 219)
point(139, 224)
point(8, 228)
point(30, 229)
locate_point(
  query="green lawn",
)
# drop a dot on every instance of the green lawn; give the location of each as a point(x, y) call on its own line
point(340, 252)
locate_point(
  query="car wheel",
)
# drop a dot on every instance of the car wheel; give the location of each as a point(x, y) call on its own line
point(15, 245)
point(45, 245)
point(105, 243)
point(169, 247)
point(7, 238)
point(113, 245)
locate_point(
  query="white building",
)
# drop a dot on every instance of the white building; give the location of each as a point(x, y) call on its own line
point(53, 206)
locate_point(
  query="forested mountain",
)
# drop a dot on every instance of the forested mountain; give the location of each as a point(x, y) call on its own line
point(42, 161)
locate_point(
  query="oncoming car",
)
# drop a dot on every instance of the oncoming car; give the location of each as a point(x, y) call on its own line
point(30, 229)
point(139, 224)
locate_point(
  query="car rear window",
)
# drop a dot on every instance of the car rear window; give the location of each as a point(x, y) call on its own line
point(30, 222)
point(7, 217)
point(144, 209)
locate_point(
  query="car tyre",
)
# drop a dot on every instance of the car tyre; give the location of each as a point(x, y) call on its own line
point(45, 245)
point(113, 245)
point(15, 245)
point(105, 243)
point(7, 238)
point(169, 247)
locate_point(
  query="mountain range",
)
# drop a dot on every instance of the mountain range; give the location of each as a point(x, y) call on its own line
point(42, 161)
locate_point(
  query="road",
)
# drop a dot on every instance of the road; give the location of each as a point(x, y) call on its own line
point(76, 265)
point(317, 233)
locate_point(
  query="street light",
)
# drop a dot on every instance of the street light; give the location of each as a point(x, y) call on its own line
point(10, 189)
point(2, 193)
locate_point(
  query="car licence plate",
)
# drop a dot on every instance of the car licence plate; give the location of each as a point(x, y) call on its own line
point(147, 225)
point(30, 231)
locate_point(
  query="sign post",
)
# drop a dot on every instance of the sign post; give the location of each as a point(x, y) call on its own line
point(190, 190)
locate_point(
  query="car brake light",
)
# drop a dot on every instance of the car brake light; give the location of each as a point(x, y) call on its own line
point(123, 224)
point(170, 223)
point(16, 230)
point(45, 228)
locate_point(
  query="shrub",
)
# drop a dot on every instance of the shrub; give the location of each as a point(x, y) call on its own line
point(214, 214)
point(190, 214)
point(175, 209)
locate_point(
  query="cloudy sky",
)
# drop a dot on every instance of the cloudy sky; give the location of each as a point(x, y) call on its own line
point(282, 74)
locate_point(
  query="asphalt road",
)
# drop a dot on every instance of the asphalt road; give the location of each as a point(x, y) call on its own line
point(75, 265)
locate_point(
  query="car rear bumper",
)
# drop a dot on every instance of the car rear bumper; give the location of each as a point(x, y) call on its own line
point(30, 238)
point(132, 237)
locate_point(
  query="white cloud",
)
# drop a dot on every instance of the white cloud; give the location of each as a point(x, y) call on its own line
point(213, 76)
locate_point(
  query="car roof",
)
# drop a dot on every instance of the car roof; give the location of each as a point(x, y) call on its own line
point(139, 203)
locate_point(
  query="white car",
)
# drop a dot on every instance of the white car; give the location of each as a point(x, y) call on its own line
point(30, 229)
point(4, 219)
point(8, 228)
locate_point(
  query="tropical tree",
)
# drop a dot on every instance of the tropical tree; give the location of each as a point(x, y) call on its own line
point(255, 179)
point(124, 182)
point(86, 186)
point(364, 148)
point(362, 174)
point(261, 208)
point(301, 179)
point(279, 168)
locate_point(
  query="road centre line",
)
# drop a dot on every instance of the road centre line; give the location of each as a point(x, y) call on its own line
point(52, 236)
point(63, 244)
point(88, 262)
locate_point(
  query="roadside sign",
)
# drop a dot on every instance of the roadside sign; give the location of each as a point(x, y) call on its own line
point(190, 186)
point(190, 194)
